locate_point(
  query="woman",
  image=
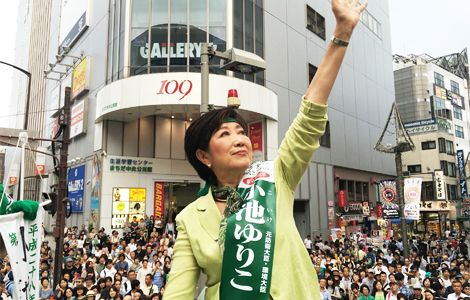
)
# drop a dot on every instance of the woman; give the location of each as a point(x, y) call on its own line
point(60, 289)
point(365, 293)
point(45, 293)
point(378, 292)
point(333, 288)
point(243, 220)
point(68, 294)
point(113, 294)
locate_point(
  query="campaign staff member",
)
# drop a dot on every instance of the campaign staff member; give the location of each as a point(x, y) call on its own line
point(239, 232)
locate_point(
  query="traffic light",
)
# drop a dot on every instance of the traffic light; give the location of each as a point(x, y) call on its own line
point(51, 208)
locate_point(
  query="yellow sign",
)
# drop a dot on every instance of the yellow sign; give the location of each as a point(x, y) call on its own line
point(80, 78)
point(137, 195)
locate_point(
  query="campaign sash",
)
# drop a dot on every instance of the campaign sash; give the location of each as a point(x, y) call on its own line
point(250, 236)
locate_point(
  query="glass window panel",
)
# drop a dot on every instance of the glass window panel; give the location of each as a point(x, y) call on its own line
point(159, 39)
point(140, 13)
point(123, 16)
point(365, 191)
point(249, 26)
point(238, 24)
point(358, 191)
point(139, 50)
point(217, 28)
point(350, 191)
point(197, 32)
point(259, 28)
point(178, 35)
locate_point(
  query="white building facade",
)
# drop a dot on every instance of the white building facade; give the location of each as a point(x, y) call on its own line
point(137, 88)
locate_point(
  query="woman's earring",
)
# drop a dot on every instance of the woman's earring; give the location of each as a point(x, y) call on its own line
point(209, 165)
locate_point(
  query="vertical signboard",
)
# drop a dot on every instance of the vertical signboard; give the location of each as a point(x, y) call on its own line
point(96, 183)
point(440, 185)
point(256, 137)
point(76, 187)
point(77, 123)
point(412, 192)
point(80, 78)
point(158, 200)
point(462, 173)
point(388, 197)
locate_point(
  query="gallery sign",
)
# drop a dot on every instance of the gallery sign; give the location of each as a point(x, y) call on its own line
point(76, 188)
point(78, 120)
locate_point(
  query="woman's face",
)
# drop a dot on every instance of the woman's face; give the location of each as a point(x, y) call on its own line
point(68, 293)
point(229, 150)
point(112, 293)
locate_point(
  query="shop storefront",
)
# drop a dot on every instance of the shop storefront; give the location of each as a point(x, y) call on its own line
point(144, 118)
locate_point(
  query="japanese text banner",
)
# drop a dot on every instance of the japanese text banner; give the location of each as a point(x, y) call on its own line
point(23, 240)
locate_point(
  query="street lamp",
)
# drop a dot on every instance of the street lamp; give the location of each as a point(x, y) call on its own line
point(26, 112)
point(234, 60)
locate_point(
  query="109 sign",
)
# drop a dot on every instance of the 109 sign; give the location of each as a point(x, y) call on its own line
point(170, 87)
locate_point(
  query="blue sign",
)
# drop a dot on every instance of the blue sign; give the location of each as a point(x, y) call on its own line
point(420, 123)
point(76, 188)
point(462, 175)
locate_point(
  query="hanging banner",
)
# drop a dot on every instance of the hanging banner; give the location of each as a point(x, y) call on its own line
point(440, 185)
point(96, 183)
point(256, 137)
point(76, 188)
point(158, 200)
point(23, 239)
point(412, 192)
point(388, 197)
point(462, 173)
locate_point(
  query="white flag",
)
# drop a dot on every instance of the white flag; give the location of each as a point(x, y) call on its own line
point(23, 240)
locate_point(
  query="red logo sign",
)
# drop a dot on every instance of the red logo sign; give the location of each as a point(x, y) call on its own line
point(170, 87)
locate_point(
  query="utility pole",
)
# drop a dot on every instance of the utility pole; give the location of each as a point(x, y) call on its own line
point(62, 188)
point(401, 203)
point(394, 129)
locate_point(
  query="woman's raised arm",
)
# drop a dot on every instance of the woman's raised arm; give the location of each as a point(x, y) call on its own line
point(347, 14)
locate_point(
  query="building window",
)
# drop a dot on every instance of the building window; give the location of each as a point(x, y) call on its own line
point(448, 168)
point(428, 145)
point(444, 113)
point(414, 168)
point(427, 190)
point(459, 131)
point(357, 191)
point(248, 33)
point(450, 147)
point(312, 70)
point(457, 113)
point(451, 192)
point(371, 22)
point(442, 145)
point(316, 23)
point(438, 79)
point(325, 138)
point(454, 87)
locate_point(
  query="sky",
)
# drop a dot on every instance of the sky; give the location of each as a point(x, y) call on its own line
point(434, 27)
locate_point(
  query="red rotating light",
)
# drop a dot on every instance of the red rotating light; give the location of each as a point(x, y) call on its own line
point(232, 93)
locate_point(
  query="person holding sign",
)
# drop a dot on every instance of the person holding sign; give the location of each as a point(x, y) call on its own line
point(240, 231)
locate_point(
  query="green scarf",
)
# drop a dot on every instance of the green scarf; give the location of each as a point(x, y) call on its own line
point(234, 202)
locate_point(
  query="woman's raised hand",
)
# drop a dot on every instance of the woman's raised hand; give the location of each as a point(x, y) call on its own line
point(347, 14)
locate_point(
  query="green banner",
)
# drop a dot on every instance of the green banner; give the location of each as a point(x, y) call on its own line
point(249, 243)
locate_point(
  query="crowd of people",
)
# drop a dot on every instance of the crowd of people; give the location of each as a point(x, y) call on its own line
point(353, 268)
point(133, 264)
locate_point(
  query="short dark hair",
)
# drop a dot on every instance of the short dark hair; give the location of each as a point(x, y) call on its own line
point(199, 134)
